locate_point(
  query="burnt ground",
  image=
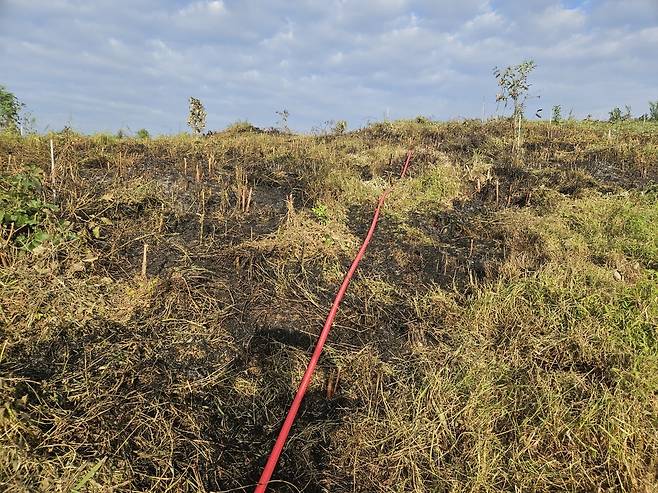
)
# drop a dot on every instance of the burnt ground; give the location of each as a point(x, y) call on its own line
point(181, 379)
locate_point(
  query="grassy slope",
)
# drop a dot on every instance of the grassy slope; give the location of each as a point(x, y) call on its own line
point(499, 335)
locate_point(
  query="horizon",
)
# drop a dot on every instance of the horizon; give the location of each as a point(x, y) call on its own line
point(104, 67)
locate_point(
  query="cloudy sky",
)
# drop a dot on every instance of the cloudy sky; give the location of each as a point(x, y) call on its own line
point(108, 64)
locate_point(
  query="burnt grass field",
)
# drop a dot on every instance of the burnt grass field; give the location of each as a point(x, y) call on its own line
point(499, 335)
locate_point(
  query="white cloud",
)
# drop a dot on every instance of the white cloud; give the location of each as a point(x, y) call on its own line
point(557, 19)
point(214, 7)
point(336, 58)
point(319, 59)
point(630, 13)
point(280, 39)
point(487, 24)
point(250, 75)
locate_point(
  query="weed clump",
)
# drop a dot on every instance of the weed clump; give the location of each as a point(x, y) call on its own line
point(26, 216)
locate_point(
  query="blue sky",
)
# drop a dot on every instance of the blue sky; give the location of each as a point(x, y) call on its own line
point(109, 64)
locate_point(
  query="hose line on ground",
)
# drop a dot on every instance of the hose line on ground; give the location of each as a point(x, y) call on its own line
point(294, 407)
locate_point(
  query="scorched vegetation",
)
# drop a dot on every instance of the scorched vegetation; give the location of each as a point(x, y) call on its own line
point(159, 299)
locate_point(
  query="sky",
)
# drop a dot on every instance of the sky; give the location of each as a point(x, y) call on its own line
point(102, 65)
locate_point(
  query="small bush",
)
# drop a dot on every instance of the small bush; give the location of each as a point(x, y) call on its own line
point(143, 134)
point(557, 114)
point(10, 110)
point(282, 124)
point(320, 212)
point(514, 85)
point(197, 116)
point(24, 213)
point(340, 127)
point(241, 126)
point(653, 111)
point(616, 115)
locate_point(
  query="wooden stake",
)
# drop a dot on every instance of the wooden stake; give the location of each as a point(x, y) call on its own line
point(518, 139)
point(144, 260)
point(211, 161)
point(198, 173)
point(249, 199)
point(52, 163)
point(290, 205)
point(202, 215)
point(470, 250)
point(497, 190)
point(185, 166)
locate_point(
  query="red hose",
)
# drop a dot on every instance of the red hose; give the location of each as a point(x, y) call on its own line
point(292, 412)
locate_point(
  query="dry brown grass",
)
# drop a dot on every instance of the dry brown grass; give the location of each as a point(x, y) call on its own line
point(500, 333)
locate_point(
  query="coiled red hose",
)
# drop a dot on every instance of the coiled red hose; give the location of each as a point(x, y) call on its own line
point(294, 407)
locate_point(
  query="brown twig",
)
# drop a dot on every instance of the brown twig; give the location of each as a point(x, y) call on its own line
point(144, 260)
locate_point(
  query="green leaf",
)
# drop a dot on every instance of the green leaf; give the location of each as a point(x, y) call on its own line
point(90, 474)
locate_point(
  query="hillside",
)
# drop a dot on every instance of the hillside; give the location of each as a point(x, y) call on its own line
point(500, 333)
